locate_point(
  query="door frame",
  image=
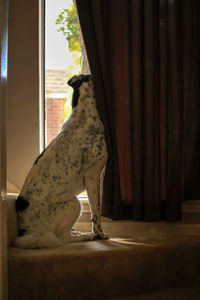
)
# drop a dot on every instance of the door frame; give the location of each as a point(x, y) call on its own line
point(3, 101)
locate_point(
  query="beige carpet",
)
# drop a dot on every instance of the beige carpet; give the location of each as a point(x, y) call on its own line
point(144, 260)
point(104, 268)
point(191, 293)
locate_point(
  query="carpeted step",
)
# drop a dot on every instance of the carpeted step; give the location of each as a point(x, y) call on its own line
point(183, 293)
point(91, 270)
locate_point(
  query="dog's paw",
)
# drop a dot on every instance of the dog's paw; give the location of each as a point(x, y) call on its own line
point(101, 236)
point(78, 236)
point(91, 236)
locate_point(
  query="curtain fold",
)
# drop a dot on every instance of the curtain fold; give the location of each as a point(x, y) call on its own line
point(143, 57)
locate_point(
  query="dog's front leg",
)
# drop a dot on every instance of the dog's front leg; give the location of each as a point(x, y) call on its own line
point(92, 182)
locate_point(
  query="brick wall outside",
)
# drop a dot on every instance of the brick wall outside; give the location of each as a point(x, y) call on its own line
point(55, 115)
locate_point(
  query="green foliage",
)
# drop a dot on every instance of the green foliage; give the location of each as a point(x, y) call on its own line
point(68, 25)
point(68, 22)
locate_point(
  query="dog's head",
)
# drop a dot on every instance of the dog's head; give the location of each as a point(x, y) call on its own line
point(75, 82)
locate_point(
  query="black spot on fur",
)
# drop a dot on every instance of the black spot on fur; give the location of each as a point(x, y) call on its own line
point(21, 232)
point(21, 204)
point(39, 157)
point(75, 97)
point(98, 237)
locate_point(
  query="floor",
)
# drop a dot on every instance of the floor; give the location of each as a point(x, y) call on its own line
point(188, 227)
point(192, 293)
point(146, 247)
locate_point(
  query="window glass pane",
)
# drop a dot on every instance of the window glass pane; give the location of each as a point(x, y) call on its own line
point(62, 60)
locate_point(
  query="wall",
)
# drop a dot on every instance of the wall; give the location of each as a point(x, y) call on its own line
point(55, 115)
point(23, 90)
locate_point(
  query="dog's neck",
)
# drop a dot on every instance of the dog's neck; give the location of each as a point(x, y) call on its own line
point(86, 108)
point(86, 102)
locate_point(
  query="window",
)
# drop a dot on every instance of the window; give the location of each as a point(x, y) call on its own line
point(62, 60)
point(64, 52)
point(25, 134)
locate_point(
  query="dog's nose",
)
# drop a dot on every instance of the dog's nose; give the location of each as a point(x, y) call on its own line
point(72, 80)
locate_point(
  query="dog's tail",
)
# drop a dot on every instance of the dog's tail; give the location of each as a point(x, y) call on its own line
point(36, 240)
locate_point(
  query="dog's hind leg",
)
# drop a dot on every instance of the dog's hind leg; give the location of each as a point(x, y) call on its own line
point(38, 240)
point(66, 217)
point(67, 212)
point(56, 229)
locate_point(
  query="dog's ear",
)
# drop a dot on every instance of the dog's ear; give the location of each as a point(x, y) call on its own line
point(87, 78)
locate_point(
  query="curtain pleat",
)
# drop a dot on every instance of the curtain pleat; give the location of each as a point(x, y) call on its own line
point(163, 93)
point(192, 102)
point(151, 114)
point(136, 65)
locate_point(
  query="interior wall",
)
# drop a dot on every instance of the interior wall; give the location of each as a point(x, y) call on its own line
point(23, 91)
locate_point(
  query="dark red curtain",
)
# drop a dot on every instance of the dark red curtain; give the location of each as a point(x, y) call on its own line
point(144, 59)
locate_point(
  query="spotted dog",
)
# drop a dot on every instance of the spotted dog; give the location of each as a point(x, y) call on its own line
point(47, 206)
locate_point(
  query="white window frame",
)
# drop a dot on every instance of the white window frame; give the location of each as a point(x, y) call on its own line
point(3, 89)
point(42, 74)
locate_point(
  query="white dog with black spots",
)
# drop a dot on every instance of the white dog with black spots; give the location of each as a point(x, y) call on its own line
point(48, 206)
